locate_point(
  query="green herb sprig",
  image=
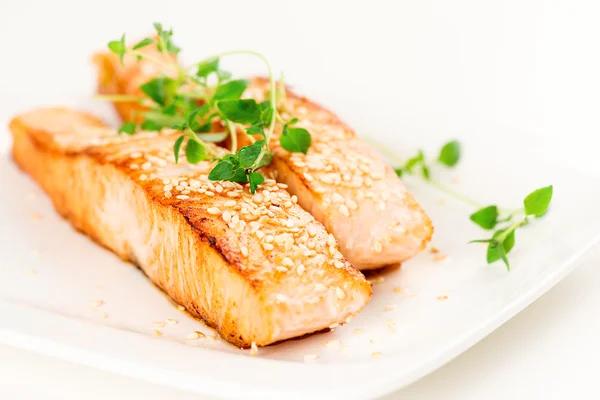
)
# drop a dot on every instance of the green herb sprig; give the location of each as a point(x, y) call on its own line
point(535, 204)
point(194, 99)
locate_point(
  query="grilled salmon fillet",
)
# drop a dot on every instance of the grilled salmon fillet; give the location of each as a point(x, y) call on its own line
point(342, 181)
point(258, 268)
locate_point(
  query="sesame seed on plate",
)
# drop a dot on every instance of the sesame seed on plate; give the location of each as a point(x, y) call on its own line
point(390, 307)
point(376, 354)
point(195, 335)
point(159, 324)
point(253, 349)
point(171, 321)
point(97, 303)
point(310, 357)
point(157, 332)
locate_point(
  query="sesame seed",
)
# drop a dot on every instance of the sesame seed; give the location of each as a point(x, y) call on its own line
point(344, 210)
point(288, 261)
point(147, 165)
point(157, 332)
point(219, 188)
point(159, 324)
point(390, 307)
point(439, 257)
point(260, 234)
point(340, 293)
point(168, 195)
point(301, 268)
point(36, 217)
point(183, 197)
point(135, 154)
point(398, 290)
point(180, 308)
point(378, 246)
point(442, 297)
point(232, 194)
point(97, 303)
point(143, 177)
point(319, 287)
point(331, 240)
point(281, 269)
point(332, 343)
point(280, 298)
point(338, 264)
point(213, 210)
point(358, 331)
point(195, 335)
point(268, 246)
point(244, 251)
point(351, 204)
point(229, 203)
point(253, 349)
point(337, 198)
point(226, 216)
point(171, 321)
point(334, 325)
point(310, 357)
point(269, 238)
point(294, 199)
point(376, 354)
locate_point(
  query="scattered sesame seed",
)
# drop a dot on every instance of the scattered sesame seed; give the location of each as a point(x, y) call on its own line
point(334, 325)
point(442, 297)
point(390, 307)
point(146, 166)
point(268, 246)
point(183, 197)
point(104, 315)
point(358, 331)
point(434, 250)
point(36, 217)
point(339, 292)
point(398, 290)
point(159, 324)
point(157, 332)
point(294, 199)
point(143, 177)
point(332, 343)
point(253, 349)
point(301, 268)
point(171, 321)
point(195, 335)
point(376, 354)
point(181, 308)
point(229, 203)
point(310, 357)
point(97, 303)
point(338, 264)
point(440, 257)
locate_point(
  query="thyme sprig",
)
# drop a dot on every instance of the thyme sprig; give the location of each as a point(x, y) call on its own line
point(505, 221)
point(196, 98)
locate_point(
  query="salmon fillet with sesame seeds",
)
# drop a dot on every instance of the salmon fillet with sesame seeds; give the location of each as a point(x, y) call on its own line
point(258, 268)
point(342, 181)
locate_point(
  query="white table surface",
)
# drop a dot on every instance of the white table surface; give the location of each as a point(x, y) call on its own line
point(544, 81)
point(550, 350)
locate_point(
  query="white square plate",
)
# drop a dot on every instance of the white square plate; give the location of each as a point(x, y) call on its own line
point(53, 275)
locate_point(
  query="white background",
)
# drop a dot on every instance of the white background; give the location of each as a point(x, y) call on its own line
point(449, 67)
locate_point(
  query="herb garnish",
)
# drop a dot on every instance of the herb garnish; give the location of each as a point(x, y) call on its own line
point(194, 99)
point(535, 205)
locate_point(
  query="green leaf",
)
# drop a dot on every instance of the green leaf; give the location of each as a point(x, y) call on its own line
point(208, 67)
point(247, 155)
point(398, 172)
point(149, 125)
point(450, 154)
point(296, 140)
point(482, 241)
point(413, 162)
point(256, 178)
point(143, 43)
point(231, 90)
point(256, 130)
point(162, 90)
point(223, 171)
point(537, 202)
point(239, 176)
point(223, 75)
point(498, 251)
point(177, 147)
point(266, 115)
point(164, 41)
point(118, 47)
point(425, 172)
point(194, 152)
point(128, 128)
point(486, 217)
point(240, 111)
